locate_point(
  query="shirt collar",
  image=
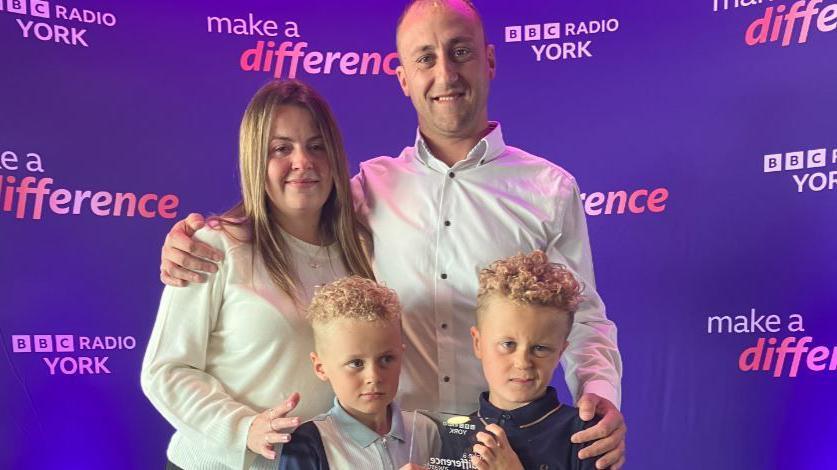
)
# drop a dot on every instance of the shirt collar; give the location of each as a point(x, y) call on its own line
point(358, 431)
point(487, 149)
point(525, 415)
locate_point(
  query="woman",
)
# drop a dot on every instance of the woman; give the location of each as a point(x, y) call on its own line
point(225, 359)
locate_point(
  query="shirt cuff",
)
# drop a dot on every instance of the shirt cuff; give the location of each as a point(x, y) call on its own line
point(604, 389)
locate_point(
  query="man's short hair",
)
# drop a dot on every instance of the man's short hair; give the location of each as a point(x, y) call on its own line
point(354, 298)
point(529, 279)
point(412, 3)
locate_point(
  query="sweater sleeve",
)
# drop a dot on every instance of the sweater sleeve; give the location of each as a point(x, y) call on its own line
point(173, 370)
point(305, 451)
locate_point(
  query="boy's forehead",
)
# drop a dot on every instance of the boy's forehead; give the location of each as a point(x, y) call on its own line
point(503, 314)
point(430, 21)
point(347, 333)
point(336, 325)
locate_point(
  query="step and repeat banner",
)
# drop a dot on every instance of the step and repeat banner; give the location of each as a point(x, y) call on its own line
point(702, 133)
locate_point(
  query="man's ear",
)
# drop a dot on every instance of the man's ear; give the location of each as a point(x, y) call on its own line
point(475, 340)
point(401, 74)
point(318, 367)
point(492, 60)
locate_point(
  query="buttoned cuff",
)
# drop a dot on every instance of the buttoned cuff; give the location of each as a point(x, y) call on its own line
point(604, 389)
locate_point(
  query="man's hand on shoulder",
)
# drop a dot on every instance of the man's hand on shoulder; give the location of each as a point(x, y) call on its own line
point(607, 436)
point(183, 259)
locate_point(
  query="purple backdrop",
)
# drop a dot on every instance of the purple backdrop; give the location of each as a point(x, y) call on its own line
point(669, 97)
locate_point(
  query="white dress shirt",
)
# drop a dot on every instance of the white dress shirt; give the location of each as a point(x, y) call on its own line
point(434, 227)
point(225, 350)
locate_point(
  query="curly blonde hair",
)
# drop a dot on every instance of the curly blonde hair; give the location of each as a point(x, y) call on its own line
point(355, 298)
point(530, 279)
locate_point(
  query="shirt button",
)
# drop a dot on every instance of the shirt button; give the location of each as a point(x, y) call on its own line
point(452, 174)
point(444, 276)
point(446, 378)
point(447, 223)
point(444, 326)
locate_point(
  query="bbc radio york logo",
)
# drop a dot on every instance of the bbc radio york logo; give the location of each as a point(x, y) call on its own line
point(566, 41)
point(37, 20)
point(809, 169)
point(71, 354)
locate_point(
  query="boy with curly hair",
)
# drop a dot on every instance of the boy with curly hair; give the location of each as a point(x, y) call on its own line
point(358, 351)
point(524, 316)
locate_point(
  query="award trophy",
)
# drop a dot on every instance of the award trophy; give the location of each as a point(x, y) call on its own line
point(450, 443)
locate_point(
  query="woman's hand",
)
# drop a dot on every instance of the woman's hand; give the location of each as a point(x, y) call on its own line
point(268, 426)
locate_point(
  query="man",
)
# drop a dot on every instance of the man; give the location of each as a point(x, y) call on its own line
point(446, 207)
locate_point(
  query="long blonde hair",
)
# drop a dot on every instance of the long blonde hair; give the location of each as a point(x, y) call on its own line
point(337, 218)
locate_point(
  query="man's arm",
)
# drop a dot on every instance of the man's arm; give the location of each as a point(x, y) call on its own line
point(183, 258)
point(592, 363)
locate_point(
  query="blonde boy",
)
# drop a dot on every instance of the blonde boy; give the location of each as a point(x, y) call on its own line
point(524, 315)
point(358, 351)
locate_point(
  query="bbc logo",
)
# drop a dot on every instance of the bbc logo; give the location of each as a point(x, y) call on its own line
point(38, 8)
point(533, 32)
point(43, 343)
point(796, 160)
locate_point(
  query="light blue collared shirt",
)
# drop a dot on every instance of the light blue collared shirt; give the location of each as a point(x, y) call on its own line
point(350, 444)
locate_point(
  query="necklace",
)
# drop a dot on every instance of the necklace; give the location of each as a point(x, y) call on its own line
point(312, 260)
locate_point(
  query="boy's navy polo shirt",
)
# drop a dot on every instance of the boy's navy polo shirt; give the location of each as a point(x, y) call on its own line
point(540, 432)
